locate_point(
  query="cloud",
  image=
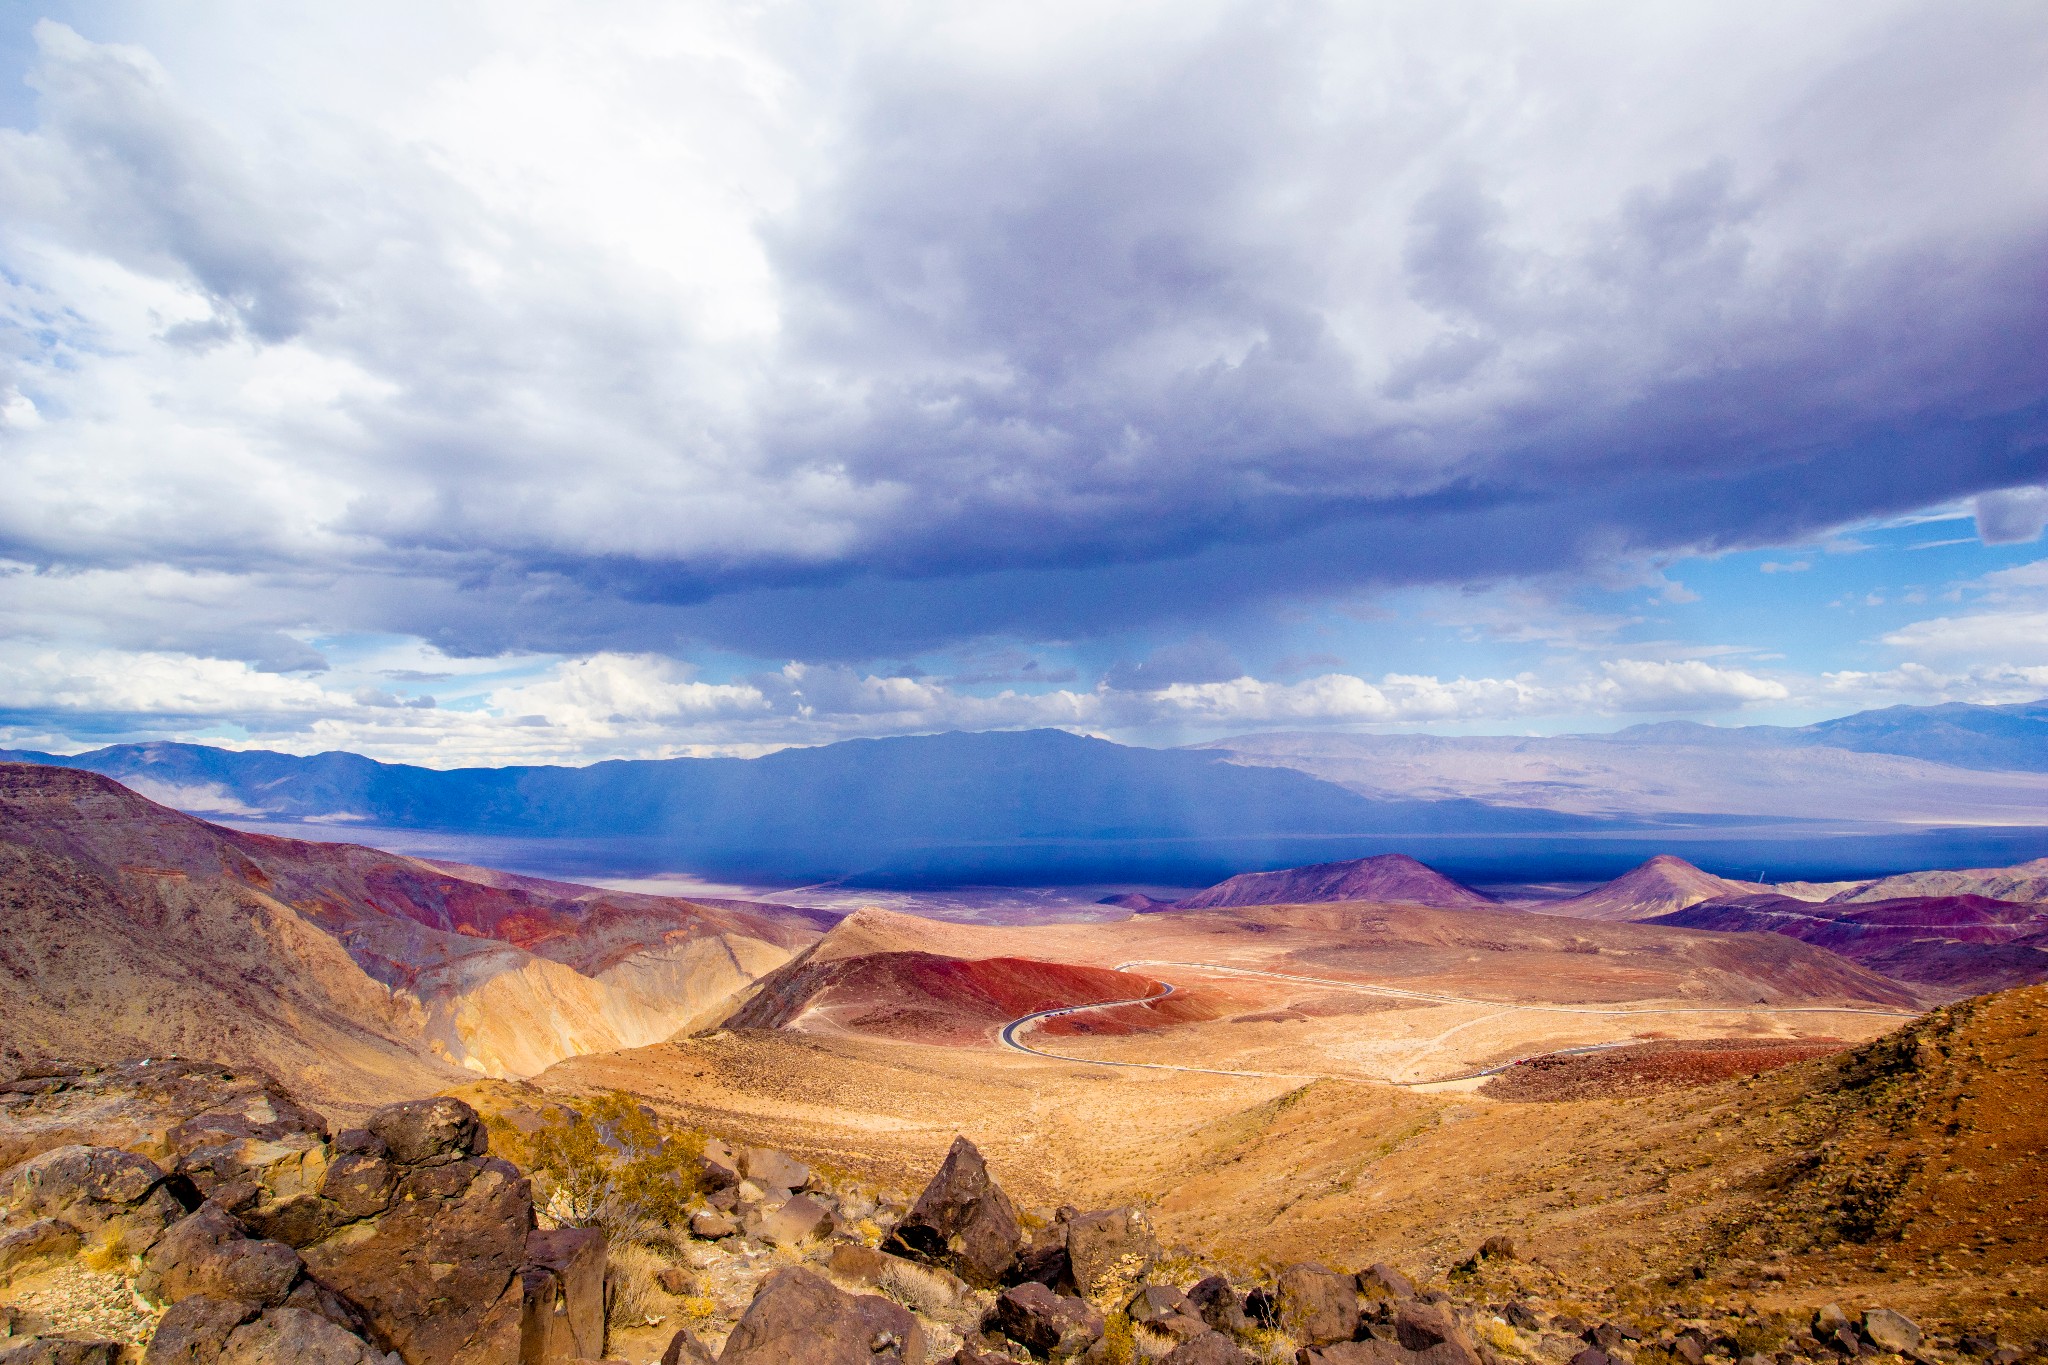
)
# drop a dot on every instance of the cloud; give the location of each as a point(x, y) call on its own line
point(839, 335)
point(2017, 636)
point(1682, 685)
point(1794, 566)
point(2012, 516)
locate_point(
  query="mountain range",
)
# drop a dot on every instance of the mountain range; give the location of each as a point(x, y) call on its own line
point(1948, 764)
point(1048, 806)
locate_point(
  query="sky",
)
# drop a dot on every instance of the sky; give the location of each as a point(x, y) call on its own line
point(478, 383)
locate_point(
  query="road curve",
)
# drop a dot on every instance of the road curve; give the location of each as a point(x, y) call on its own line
point(1009, 1038)
point(1010, 1030)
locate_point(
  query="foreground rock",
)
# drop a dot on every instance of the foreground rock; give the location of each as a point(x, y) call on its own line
point(799, 1318)
point(265, 1240)
point(963, 1221)
point(1055, 1326)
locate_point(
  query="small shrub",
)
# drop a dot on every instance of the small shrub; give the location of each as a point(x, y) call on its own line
point(617, 1166)
point(631, 1295)
point(1499, 1336)
point(1119, 1340)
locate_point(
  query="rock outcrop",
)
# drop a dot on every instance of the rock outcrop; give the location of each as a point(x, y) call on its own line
point(800, 1318)
point(963, 1221)
point(263, 1239)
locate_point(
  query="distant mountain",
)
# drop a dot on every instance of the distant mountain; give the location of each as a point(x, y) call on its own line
point(1946, 765)
point(1948, 946)
point(2023, 882)
point(1387, 877)
point(130, 928)
point(2011, 738)
point(1657, 887)
point(961, 803)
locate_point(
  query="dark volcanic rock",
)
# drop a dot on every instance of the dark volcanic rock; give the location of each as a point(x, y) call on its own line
point(1210, 1348)
point(433, 1275)
point(798, 1318)
point(288, 1334)
point(1217, 1304)
point(962, 1221)
point(431, 1132)
point(212, 1255)
point(195, 1329)
point(1317, 1306)
point(1053, 1325)
point(114, 1198)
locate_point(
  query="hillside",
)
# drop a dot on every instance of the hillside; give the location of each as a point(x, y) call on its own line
point(1948, 946)
point(1658, 887)
point(132, 928)
point(1386, 877)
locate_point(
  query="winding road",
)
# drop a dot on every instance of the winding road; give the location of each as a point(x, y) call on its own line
point(1015, 1026)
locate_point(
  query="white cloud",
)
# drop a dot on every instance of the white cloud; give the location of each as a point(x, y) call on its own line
point(1637, 685)
point(2015, 636)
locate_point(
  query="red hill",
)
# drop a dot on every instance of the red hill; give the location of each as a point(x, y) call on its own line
point(1388, 877)
point(1949, 946)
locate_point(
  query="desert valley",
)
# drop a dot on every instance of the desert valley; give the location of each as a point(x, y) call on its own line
point(1347, 1110)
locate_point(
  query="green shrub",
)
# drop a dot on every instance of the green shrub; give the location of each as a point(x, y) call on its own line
point(615, 1164)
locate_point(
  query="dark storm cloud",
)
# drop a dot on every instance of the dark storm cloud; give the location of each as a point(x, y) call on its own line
point(1278, 305)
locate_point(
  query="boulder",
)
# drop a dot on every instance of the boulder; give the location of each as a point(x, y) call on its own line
point(673, 1279)
point(963, 1221)
point(1890, 1331)
point(1177, 1327)
point(303, 1338)
point(767, 1168)
point(712, 1226)
point(114, 1199)
point(1519, 1314)
point(796, 1220)
point(1044, 1258)
point(718, 1165)
point(1382, 1281)
point(430, 1270)
point(211, 1254)
point(1109, 1249)
point(1499, 1247)
point(1592, 1355)
point(1052, 1325)
point(1216, 1303)
point(195, 1329)
point(563, 1281)
point(1210, 1348)
point(1431, 1332)
point(685, 1349)
point(799, 1318)
point(1155, 1303)
point(1317, 1306)
point(430, 1132)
